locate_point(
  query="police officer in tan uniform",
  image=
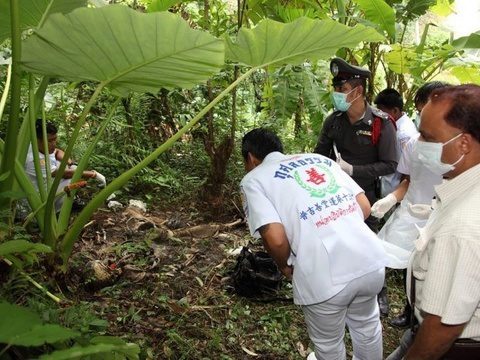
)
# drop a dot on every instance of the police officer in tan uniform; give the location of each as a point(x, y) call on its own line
point(361, 138)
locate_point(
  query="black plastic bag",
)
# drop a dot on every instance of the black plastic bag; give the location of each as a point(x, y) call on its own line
point(256, 274)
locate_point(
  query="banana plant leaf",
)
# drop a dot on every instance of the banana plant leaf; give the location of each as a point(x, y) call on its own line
point(401, 58)
point(33, 12)
point(466, 74)
point(417, 8)
point(471, 41)
point(272, 43)
point(379, 13)
point(124, 49)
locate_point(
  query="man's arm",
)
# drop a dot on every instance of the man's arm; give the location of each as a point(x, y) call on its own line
point(325, 143)
point(276, 243)
point(362, 200)
point(433, 339)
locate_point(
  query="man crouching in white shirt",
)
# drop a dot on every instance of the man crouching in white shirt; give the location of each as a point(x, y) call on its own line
point(310, 215)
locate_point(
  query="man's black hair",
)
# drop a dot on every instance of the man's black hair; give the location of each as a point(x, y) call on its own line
point(423, 93)
point(260, 142)
point(51, 128)
point(390, 99)
point(464, 107)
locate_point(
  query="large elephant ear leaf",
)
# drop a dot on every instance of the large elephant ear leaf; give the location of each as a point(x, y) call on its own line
point(33, 12)
point(275, 43)
point(124, 49)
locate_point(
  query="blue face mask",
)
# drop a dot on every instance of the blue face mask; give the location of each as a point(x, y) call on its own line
point(340, 102)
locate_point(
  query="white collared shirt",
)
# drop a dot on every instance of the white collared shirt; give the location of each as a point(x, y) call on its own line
point(406, 131)
point(446, 262)
point(316, 203)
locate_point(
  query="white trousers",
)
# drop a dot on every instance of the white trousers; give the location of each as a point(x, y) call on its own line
point(355, 306)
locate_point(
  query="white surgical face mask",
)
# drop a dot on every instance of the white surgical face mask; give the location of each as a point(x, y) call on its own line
point(340, 100)
point(430, 155)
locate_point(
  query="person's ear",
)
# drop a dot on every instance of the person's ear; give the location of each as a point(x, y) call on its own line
point(252, 161)
point(465, 143)
point(397, 113)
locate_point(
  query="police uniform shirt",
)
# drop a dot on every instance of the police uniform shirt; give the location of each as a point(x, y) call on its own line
point(316, 203)
point(354, 143)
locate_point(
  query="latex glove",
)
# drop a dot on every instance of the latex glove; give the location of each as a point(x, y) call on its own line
point(381, 207)
point(345, 166)
point(101, 179)
point(420, 211)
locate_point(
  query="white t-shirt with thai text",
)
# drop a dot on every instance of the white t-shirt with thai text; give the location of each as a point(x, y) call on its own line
point(316, 203)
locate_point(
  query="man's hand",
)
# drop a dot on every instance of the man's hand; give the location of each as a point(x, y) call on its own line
point(287, 271)
point(345, 166)
point(381, 207)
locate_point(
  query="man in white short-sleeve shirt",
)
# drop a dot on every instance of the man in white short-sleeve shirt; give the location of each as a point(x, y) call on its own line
point(310, 215)
point(390, 101)
point(445, 264)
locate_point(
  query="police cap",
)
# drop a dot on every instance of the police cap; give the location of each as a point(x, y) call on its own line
point(343, 71)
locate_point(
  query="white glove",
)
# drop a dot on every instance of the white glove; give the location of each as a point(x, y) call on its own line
point(420, 211)
point(380, 208)
point(345, 166)
point(101, 179)
point(72, 167)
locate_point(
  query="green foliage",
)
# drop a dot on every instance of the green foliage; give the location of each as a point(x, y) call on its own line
point(471, 41)
point(22, 246)
point(102, 351)
point(20, 326)
point(127, 50)
point(162, 5)
point(379, 13)
point(273, 44)
point(23, 327)
point(34, 12)
point(21, 252)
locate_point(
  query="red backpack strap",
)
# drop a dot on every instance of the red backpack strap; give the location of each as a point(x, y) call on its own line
point(377, 128)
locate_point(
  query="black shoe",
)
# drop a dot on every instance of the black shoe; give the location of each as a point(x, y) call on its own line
point(402, 321)
point(383, 302)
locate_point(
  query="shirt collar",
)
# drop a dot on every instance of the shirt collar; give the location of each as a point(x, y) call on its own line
point(402, 119)
point(274, 156)
point(368, 115)
point(449, 190)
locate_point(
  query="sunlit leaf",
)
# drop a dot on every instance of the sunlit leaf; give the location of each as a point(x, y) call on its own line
point(33, 11)
point(275, 43)
point(442, 8)
point(466, 74)
point(380, 13)
point(400, 59)
point(124, 49)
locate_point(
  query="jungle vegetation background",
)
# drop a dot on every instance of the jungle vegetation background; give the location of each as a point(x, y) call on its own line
point(163, 126)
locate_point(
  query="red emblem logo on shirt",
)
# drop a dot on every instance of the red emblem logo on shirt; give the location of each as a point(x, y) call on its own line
point(315, 177)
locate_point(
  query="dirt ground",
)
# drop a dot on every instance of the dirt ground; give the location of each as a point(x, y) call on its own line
point(161, 279)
